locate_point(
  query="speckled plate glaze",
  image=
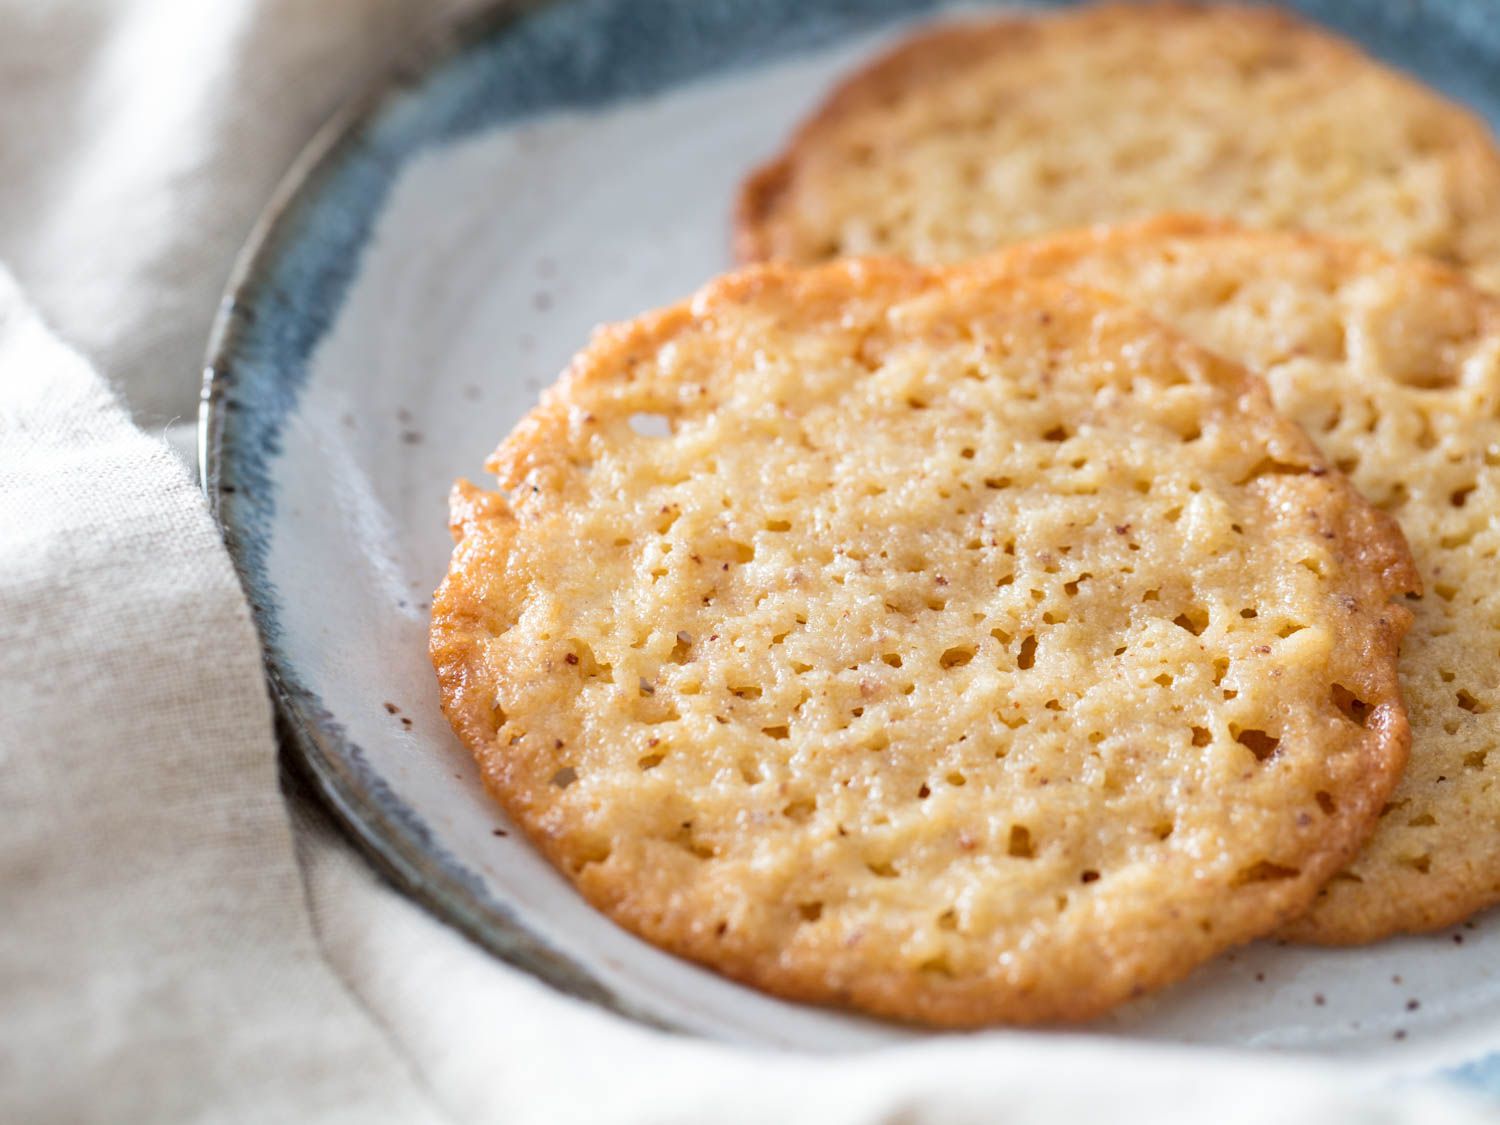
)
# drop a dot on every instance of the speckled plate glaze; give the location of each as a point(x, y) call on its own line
point(431, 263)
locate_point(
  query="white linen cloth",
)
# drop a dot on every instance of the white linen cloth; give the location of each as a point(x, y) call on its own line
point(178, 941)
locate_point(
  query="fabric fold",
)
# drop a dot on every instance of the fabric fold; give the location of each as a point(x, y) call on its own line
point(156, 958)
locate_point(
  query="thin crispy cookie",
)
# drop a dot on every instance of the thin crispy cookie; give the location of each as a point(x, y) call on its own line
point(961, 651)
point(970, 137)
point(1393, 365)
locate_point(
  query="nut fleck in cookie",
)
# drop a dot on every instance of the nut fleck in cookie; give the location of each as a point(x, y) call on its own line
point(1393, 366)
point(970, 137)
point(943, 647)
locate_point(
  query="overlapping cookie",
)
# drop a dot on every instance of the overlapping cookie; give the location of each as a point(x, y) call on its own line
point(947, 647)
point(971, 137)
point(1393, 366)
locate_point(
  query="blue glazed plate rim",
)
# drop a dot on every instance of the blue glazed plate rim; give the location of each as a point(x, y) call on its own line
point(315, 746)
point(318, 749)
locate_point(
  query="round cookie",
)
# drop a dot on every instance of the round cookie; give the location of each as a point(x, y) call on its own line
point(970, 137)
point(1393, 365)
point(943, 647)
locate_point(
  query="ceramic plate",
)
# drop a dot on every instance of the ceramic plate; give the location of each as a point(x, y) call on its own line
point(432, 263)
